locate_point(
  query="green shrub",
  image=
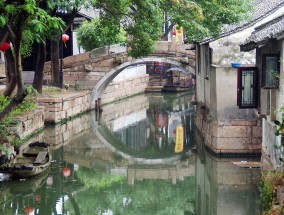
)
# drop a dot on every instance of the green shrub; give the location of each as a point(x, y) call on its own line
point(7, 135)
point(266, 185)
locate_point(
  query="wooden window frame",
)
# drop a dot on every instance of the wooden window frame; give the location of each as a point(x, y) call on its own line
point(264, 72)
point(240, 88)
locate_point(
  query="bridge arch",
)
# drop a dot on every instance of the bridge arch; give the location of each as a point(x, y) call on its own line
point(107, 78)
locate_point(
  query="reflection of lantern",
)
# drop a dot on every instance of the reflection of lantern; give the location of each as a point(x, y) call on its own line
point(65, 37)
point(158, 136)
point(66, 171)
point(4, 46)
point(37, 198)
point(29, 210)
point(161, 120)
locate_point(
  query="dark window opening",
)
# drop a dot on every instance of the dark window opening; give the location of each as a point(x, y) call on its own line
point(207, 61)
point(270, 70)
point(247, 87)
point(198, 59)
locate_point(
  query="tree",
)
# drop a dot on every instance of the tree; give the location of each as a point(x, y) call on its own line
point(55, 8)
point(142, 20)
point(16, 19)
point(93, 34)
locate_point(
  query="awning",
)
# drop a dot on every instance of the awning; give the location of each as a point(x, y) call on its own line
point(273, 29)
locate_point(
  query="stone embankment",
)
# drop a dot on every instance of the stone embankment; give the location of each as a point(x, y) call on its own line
point(64, 106)
point(29, 123)
point(235, 137)
point(52, 110)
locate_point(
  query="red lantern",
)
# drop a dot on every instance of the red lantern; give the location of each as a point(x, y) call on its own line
point(37, 198)
point(29, 210)
point(66, 171)
point(4, 46)
point(65, 37)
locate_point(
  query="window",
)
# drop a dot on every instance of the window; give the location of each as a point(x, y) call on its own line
point(207, 61)
point(198, 49)
point(247, 87)
point(270, 70)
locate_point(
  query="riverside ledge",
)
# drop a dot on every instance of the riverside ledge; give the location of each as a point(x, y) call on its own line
point(61, 107)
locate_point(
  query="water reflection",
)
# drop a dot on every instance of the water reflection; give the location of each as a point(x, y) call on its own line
point(224, 188)
point(137, 160)
point(155, 126)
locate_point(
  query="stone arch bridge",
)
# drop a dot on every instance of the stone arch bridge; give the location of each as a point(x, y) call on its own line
point(96, 69)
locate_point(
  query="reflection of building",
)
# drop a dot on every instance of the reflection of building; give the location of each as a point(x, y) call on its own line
point(128, 121)
point(224, 188)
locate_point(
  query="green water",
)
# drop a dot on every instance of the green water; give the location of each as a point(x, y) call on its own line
point(127, 161)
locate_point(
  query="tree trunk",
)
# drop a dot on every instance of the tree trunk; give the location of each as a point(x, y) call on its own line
point(3, 35)
point(21, 92)
point(10, 73)
point(15, 101)
point(54, 50)
point(38, 78)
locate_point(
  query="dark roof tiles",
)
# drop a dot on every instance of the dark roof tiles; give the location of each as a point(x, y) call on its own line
point(264, 32)
point(262, 9)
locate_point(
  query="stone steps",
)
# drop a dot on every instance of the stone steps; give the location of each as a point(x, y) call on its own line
point(154, 89)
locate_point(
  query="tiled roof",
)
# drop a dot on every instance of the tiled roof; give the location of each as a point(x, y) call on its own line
point(265, 32)
point(89, 13)
point(262, 9)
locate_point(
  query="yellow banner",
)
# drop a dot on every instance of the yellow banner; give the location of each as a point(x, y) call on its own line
point(179, 139)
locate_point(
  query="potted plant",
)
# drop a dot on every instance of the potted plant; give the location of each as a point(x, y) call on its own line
point(236, 63)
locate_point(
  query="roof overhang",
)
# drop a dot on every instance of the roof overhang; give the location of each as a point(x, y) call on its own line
point(272, 30)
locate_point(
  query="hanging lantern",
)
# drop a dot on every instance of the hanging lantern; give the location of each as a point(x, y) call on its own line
point(4, 46)
point(29, 210)
point(65, 38)
point(66, 171)
point(37, 198)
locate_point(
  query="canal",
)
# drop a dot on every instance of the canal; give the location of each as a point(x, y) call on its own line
point(140, 156)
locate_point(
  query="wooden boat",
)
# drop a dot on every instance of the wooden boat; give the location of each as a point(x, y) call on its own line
point(32, 161)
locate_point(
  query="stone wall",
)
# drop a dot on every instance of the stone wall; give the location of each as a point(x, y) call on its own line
point(58, 108)
point(270, 154)
point(128, 82)
point(239, 136)
point(29, 123)
point(183, 53)
point(88, 68)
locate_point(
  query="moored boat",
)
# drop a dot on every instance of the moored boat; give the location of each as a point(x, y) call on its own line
point(32, 161)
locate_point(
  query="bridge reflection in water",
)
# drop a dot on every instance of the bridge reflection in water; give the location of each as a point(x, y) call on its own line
point(127, 164)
